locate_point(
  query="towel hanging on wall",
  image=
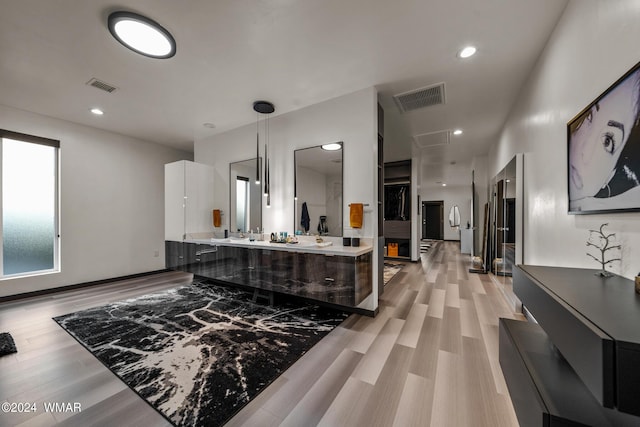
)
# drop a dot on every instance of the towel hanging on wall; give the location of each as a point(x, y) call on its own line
point(217, 218)
point(356, 213)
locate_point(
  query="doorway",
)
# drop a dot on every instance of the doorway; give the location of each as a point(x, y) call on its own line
point(433, 220)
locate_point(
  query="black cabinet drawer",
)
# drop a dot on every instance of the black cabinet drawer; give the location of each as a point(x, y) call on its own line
point(587, 348)
point(544, 388)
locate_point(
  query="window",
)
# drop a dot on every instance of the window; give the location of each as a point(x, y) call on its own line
point(28, 204)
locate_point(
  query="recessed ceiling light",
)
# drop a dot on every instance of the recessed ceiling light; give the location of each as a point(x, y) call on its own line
point(457, 132)
point(444, 185)
point(209, 125)
point(332, 147)
point(467, 52)
point(97, 111)
point(142, 35)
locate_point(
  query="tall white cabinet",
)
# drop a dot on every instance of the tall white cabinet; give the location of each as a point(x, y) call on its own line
point(188, 199)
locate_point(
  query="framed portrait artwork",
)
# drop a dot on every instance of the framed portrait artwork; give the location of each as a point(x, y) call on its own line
point(604, 151)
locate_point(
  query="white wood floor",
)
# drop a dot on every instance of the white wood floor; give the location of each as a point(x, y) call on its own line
point(430, 358)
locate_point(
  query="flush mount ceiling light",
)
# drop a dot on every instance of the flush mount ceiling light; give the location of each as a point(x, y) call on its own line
point(457, 132)
point(142, 35)
point(97, 111)
point(467, 52)
point(332, 147)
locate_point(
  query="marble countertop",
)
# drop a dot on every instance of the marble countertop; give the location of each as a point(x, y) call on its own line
point(302, 246)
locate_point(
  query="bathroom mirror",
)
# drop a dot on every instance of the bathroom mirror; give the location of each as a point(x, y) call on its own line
point(245, 196)
point(318, 190)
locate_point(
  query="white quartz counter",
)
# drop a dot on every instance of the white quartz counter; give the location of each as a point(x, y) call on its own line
point(302, 246)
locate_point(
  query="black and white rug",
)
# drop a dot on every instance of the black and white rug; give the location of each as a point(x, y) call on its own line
point(391, 268)
point(426, 244)
point(199, 353)
point(7, 345)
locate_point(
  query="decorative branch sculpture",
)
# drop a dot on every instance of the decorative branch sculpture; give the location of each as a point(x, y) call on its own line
point(604, 244)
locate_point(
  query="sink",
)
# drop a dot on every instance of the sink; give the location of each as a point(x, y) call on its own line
point(219, 240)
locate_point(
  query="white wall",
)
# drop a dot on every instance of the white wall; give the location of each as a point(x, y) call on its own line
point(351, 118)
point(111, 202)
point(594, 43)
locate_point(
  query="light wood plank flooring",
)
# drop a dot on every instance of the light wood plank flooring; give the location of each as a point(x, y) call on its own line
point(430, 358)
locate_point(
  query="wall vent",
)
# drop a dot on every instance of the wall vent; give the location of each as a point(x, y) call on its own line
point(433, 139)
point(99, 84)
point(420, 98)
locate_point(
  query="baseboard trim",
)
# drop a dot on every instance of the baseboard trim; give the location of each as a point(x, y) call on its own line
point(77, 286)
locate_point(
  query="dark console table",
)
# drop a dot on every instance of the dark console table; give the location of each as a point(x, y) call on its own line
point(580, 365)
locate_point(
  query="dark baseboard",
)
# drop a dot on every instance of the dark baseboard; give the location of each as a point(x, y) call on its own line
point(77, 286)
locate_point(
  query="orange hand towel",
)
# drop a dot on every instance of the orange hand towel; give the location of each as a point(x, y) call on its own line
point(217, 218)
point(355, 215)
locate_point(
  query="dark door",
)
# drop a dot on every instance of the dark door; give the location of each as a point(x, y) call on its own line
point(432, 220)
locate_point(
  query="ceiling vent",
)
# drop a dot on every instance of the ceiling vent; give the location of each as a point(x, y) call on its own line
point(420, 98)
point(99, 84)
point(432, 139)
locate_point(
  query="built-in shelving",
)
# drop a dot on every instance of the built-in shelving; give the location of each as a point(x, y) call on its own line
point(397, 209)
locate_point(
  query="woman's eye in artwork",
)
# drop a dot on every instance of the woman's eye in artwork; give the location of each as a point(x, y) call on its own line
point(613, 136)
point(609, 142)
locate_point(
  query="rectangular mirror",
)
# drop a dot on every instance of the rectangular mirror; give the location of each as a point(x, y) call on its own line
point(318, 190)
point(245, 196)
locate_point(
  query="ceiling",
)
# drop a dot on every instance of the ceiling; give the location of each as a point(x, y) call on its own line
point(293, 53)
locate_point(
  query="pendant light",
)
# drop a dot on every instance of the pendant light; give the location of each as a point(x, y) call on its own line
point(264, 107)
point(257, 148)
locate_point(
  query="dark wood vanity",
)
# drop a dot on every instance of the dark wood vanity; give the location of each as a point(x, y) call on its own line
point(336, 276)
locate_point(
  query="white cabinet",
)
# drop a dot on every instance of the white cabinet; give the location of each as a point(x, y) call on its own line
point(188, 199)
point(466, 241)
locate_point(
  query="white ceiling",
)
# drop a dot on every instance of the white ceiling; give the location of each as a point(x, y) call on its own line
point(293, 53)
